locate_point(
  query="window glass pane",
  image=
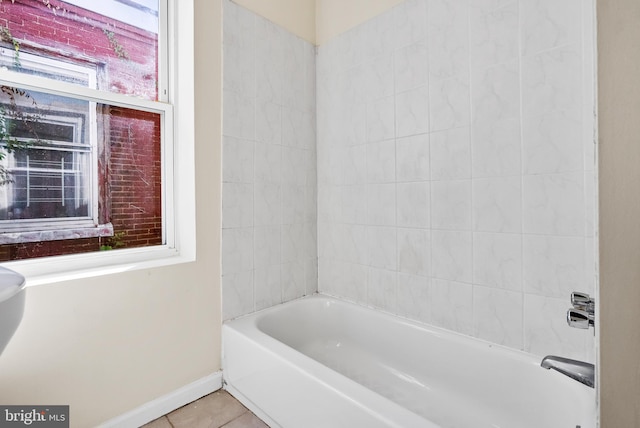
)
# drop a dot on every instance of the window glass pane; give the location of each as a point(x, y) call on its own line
point(48, 184)
point(111, 45)
point(90, 173)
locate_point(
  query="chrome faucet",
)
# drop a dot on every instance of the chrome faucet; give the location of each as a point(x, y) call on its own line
point(578, 370)
point(582, 315)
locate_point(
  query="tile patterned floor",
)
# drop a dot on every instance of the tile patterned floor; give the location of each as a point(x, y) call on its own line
point(216, 410)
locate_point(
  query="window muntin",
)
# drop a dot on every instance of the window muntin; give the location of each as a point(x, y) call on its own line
point(50, 179)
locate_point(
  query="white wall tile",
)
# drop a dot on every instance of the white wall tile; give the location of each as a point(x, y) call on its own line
point(492, 134)
point(413, 297)
point(497, 316)
point(547, 333)
point(268, 122)
point(411, 66)
point(494, 36)
point(449, 103)
point(382, 289)
point(448, 38)
point(311, 275)
point(451, 204)
point(590, 203)
point(350, 243)
point(382, 247)
point(450, 154)
point(267, 204)
point(547, 24)
point(412, 158)
point(552, 81)
point(354, 204)
point(379, 77)
point(309, 98)
point(495, 93)
point(380, 36)
point(270, 54)
point(452, 255)
point(311, 169)
point(311, 240)
point(552, 143)
point(409, 18)
point(238, 118)
point(237, 205)
point(381, 161)
point(488, 5)
point(413, 200)
point(497, 204)
point(239, 65)
point(591, 264)
point(553, 204)
point(355, 164)
point(237, 250)
point(237, 294)
point(264, 115)
point(268, 163)
point(298, 129)
point(412, 112)
point(293, 280)
point(238, 34)
point(293, 76)
point(353, 124)
point(294, 164)
point(380, 119)
point(351, 280)
point(381, 204)
point(293, 203)
point(238, 160)
point(268, 286)
point(553, 266)
point(414, 247)
point(496, 148)
point(355, 84)
point(497, 260)
point(266, 246)
point(292, 242)
point(452, 305)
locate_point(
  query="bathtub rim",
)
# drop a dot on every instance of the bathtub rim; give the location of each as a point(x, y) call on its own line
point(519, 354)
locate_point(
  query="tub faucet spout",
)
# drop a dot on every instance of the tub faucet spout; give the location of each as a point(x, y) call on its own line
point(577, 370)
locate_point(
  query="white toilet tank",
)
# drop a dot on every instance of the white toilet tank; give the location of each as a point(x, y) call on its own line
point(12, 297)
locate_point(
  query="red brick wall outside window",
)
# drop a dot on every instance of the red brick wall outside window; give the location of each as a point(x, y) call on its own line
point(129, 151)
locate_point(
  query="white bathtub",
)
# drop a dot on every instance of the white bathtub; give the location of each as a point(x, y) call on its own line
point(322, 362)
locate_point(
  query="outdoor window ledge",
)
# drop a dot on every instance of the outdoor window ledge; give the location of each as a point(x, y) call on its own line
point(101, 230)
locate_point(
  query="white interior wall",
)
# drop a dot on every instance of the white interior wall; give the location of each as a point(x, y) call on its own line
point(105, 345)
point(456, 167)
point(269, 227)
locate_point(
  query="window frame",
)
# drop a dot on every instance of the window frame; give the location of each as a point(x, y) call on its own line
point(175, 106)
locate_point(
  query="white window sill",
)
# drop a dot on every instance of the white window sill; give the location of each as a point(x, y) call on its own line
point(56, 235)
point(52, 270)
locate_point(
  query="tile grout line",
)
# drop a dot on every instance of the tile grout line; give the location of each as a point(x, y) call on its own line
point(237, 417)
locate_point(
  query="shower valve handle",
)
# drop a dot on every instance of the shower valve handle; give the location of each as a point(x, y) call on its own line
point(583, 301)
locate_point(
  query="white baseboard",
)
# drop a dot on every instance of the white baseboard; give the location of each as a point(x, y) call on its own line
point(167, 403)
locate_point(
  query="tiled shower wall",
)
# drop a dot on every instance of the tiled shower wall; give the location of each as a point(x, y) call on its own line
point(269, 246)
point(456, 167)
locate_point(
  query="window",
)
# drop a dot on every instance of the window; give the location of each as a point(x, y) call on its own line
point(51, 181)
point(87, 131)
